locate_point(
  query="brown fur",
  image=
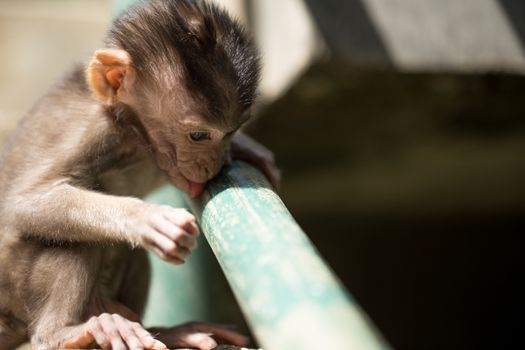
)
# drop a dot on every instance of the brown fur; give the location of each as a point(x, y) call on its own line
point(65, 153)
point(72, 174)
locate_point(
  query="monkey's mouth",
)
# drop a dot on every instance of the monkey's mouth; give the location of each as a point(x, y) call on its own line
point(196, 188)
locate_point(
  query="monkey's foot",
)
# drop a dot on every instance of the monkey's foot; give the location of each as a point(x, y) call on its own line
point(199, 335)
point(112, 331)
point(226, 347)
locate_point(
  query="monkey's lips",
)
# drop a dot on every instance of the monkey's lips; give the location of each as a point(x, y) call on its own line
point(196, 188)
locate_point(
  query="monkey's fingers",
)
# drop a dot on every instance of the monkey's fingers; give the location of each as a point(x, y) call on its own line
point(147, 338)
point(161, 254)
point(273, 175)
point(187, 241)
point(170, 250)
point(134, 339)
point(247, 149)
point(266, 164)
point(110, 329)
point(91, 334)
point(183, 219)
point(83, 341)
point(267, 167)
point(176, 233)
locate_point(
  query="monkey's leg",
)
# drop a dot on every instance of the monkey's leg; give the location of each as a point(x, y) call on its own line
point(62, 280)
point(131, 292)
point(70, 283)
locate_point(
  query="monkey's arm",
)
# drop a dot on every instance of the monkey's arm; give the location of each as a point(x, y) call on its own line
point(65, 212)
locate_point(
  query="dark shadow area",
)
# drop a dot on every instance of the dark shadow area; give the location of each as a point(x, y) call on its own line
point(442, 283)
point(411, 186)
point(515, 11)
point(348, 30)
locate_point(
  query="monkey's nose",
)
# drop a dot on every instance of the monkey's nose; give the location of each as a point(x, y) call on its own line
point(196, 188)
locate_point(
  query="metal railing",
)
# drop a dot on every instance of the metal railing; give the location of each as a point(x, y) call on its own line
point(289, 296)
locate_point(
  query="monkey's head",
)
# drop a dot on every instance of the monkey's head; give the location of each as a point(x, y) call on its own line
point(187, 75)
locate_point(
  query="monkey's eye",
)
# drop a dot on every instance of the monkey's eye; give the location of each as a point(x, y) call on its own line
point(200, 136)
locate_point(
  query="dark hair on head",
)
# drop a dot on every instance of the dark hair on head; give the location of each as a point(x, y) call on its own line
point(196, 40)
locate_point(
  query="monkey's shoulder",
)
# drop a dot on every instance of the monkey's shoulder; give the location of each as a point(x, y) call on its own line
point(69, 132)
point(66, 116)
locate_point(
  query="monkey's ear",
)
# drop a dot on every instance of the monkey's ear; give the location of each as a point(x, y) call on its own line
point(110, 75)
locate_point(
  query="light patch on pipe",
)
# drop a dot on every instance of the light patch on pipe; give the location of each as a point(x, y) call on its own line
point(299, 322)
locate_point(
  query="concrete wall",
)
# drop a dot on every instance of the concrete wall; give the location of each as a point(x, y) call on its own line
point(39, 40)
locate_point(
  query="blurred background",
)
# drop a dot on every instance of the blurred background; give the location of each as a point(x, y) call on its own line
point(399, 126)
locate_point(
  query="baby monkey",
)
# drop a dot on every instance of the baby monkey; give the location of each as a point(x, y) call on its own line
point(164, 99)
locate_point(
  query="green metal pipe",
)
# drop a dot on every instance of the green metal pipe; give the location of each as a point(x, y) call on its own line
point(289, 296)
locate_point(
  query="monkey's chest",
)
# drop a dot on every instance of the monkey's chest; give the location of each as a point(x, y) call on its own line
point(137, 178)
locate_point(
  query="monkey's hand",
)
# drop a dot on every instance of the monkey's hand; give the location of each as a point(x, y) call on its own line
point(196, 335)
point(245, 148)
point(169, 232)
point(113, 332)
